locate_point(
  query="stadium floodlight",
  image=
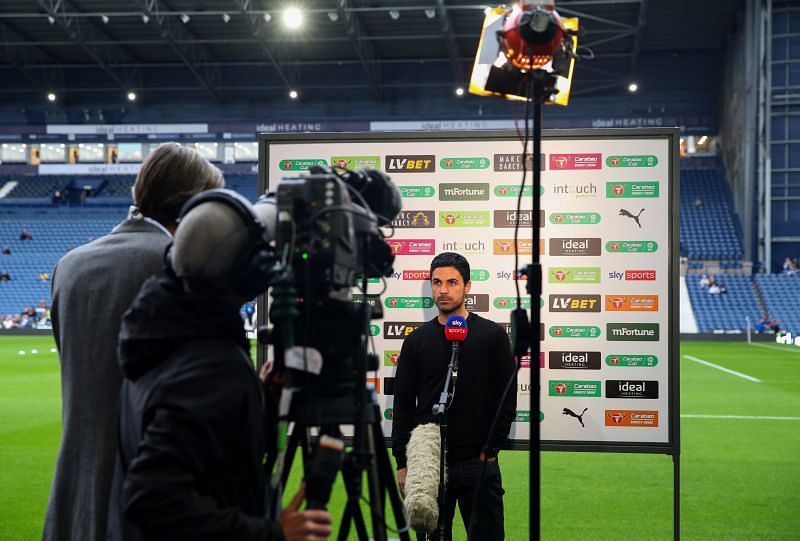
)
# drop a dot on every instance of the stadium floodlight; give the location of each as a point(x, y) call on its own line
point(459, 91)
point(333, 16)
point(51, 19)
point(293, 18)
point(105, 19)
point(132, 96)
point(633, 88)
point(293, 94)
point(145, 18)
point(394, 14)
point(267, 17)
point(51, 96)
point(430, 13)
point(226, 18)
point(185, 18)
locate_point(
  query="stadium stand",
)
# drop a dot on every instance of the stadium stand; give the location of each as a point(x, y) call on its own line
point(710, 230)
point(781, 294)
point(727, 311)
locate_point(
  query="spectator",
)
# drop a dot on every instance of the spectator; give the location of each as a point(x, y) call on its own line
point(44, 277)
point(57, 197)
point(698, 202)
point(775, 325)
point(723, 289)
point(25, 234)
point(101, 279)
point(704, 281)
point(8, 322)
point(41, 310)
point(789, 266)
point(713, 289)
point(25, 321)
point(4, 276)
point(6, 249)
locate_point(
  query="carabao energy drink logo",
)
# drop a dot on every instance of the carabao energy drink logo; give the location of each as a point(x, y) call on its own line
point(356, 162)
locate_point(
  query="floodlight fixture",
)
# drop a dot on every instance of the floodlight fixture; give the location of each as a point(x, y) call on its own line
point(105, 19)
point(145, 18)
point(267, 17)
point(394, 14)
point(293, 94)
point(460, 91)
point(292, 18)
point(633, 87)
point(430, 13)
point(185, 18)
point(226, 18)
point(51, 96)
point(333, 16)
point(51, 19)
point(132, 96)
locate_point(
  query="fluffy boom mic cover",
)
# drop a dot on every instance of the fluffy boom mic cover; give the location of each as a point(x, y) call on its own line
point(422, 481)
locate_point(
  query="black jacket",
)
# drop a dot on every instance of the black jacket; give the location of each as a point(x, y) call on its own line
point(192, 425)
point(485, 366)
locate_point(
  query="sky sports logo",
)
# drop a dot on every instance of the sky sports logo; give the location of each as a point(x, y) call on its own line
point(574, 360)
point(509, 218)
point(648, 275)
point(416, 163)
point(576, 161)
point(412, 246)
point(632, 332)
point(414, 219)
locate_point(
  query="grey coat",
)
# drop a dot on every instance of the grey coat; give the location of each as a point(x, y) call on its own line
point(92, 287)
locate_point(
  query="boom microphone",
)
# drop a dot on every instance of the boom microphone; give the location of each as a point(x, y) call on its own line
point(422, 480)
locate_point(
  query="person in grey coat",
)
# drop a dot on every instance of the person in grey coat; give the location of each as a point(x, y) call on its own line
point(92, 286)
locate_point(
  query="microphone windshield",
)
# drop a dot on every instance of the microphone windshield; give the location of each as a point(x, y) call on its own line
point(455, 330)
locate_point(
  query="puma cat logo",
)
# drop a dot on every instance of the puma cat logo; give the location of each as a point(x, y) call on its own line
point(567, 411)
point(623, 212)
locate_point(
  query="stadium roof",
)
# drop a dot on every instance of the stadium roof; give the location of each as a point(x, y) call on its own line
point(223, 50)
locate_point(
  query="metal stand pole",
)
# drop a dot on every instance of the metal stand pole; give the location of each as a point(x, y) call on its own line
point(676, 496)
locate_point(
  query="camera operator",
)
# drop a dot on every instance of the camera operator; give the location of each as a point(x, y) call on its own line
point(193, 430)
point(486, 364)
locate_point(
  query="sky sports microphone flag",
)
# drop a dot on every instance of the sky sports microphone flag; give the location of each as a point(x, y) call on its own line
point(455, 329)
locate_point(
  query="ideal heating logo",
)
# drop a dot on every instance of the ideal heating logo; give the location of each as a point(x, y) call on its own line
point(415, 163)
point(509, 218)
point(574, 360)
point(616, 388)
point(574, 246)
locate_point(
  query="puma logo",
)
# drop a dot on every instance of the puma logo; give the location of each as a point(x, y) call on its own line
point(623, 212)
point(567, 411)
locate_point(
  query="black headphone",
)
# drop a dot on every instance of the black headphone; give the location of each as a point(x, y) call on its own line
point(252, 268)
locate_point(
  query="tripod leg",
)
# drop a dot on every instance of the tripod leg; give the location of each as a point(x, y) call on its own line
point(384, 468)
point(352, 483)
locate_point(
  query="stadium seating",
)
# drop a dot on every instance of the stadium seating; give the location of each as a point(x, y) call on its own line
point(711, 231)
point(727, 311)
point(781, 294)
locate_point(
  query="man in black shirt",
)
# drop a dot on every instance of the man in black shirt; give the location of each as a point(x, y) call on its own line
point(485, 366)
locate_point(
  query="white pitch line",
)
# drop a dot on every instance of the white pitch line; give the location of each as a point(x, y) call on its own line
point(718, 367)
point(768, 346)
point(748, 417)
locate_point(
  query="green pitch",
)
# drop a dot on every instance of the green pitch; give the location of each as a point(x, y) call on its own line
point(740, 453)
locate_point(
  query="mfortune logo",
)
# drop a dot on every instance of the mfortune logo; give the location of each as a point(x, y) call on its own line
point(627, 332)
point(465, 191)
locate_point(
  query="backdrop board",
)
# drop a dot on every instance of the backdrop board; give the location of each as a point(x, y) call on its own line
point(609, 252)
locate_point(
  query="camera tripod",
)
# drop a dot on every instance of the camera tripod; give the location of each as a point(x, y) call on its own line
point(341, 406)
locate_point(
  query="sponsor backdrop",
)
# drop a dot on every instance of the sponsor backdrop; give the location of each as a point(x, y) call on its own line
point(607, 252)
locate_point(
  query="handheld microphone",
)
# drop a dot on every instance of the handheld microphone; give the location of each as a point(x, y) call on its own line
point(455, 330)
point(326, 464)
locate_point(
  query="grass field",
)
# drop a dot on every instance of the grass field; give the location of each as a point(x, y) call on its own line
point(740, 452)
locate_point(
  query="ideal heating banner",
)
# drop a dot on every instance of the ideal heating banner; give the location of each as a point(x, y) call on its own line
point(608, 249)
